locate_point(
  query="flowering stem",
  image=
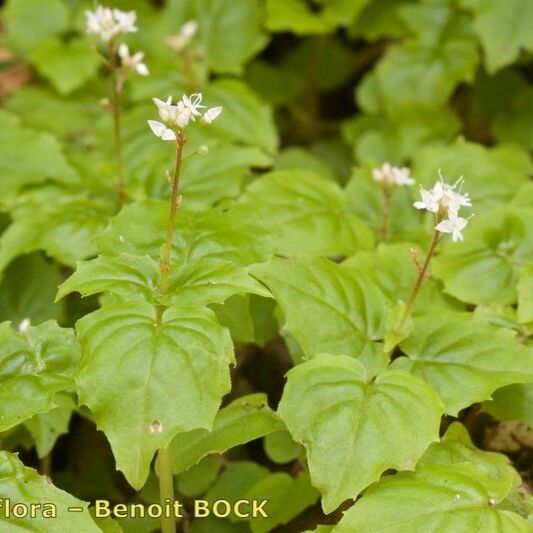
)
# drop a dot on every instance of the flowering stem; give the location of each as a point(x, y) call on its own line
point(174, 204)
point(116, 93)
point(422, 274)
point(166, 489)
point(165, 473)
point(385, 213)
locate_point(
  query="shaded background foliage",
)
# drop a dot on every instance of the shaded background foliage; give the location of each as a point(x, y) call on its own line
point(320, 92)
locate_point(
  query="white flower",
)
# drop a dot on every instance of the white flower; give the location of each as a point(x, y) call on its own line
point(132, 62)
point(452, 200)
point(24, 325)
point(108, 22)
point(430, 200)
point(125, 21)
point(443, 197)
point(389, 175)
point(193, 103)
point(179, 41)
point(212, 113)
point(185, 111)
point(454, 224)
point(161, 131)
point(166, 109)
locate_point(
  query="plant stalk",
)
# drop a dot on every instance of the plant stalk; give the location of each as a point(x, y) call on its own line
point(174, 204)
point(385, 214)
point(419, 280)
point(166, 479)
point(116, 98)
point(166, 489)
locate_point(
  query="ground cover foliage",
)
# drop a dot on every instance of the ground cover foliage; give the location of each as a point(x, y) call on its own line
point(289, 294)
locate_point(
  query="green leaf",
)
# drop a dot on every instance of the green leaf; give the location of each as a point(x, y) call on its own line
point(62, 225)
point(220, 525)
point(46, 428)
point(236, 480)
point(506, 100)
point(228, 35)
point(424, 69)
point(298, 17)
point(481, 167)
point(365, 198)
point(28, 25)
point(22, 485)
point(246, 119)
point(344, 313)
point(199, 477)
point(245, 419)
point(66, 65)
point(283, 82)
point(380, 18)
point(209, 249)
point(463, 358)
point(504, 29)
point(28, 156)
point(281, 448)
point(399, 134)
point(394, 334)
point(34, 366)
point(234, 314)
point(304, 214)
point(286, 498)
point(146, 380)
point(354, 430)
point(485, 267)
point(514, 402)
point(53, 113)
point(435, 498)
point(214, 234)
point(28, 289)
point(130, 277)
point(296, 158)
point(525, 295)
point(392, 268)
point(456, 448)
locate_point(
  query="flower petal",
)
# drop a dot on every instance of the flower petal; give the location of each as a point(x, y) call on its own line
point(161, 131)
point(212, 113)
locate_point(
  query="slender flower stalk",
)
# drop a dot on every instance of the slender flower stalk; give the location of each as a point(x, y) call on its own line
point(108, 24)
point(389, 177)
point(175, 119)
point(175, 201)
point(422, 275)
point(116, 104)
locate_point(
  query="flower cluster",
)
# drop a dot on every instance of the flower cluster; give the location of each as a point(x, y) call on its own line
point(132, 62)
point(388, 176)
point(180, 40)
point(108, 23)
point(446, 201)
point(178, 116)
